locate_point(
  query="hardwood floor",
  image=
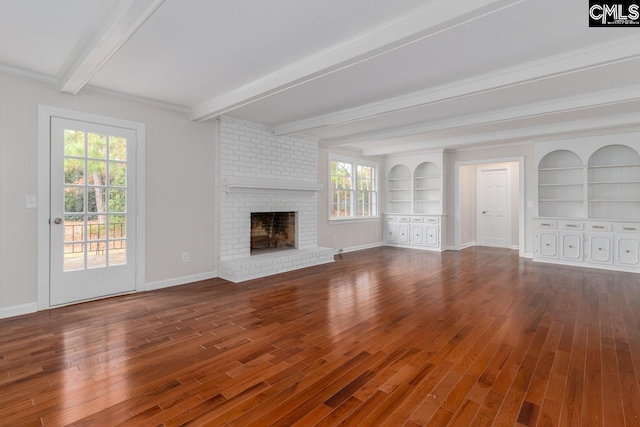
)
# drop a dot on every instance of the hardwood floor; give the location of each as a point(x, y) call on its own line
point(381, 337)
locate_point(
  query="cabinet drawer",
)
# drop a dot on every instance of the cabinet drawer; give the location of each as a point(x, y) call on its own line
point(546, 224)
point(571, 225)
point(417, 219)
point(433, 220)
point(391, 218)
point(598, 226)
point(404, 219)
point(628, 228)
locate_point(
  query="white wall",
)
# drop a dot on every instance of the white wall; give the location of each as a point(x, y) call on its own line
point(468, 214)
point(492, 154)
point(179, 185)
point(351, 234)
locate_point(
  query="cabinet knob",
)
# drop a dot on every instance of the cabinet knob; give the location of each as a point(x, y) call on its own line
point(548, 244)
point(628, 252)
point(599, 249)
point(571, 246)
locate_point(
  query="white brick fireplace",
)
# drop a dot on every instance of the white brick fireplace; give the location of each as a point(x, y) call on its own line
point(260, 172)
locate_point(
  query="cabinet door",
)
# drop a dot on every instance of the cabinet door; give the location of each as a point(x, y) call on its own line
point(432, 237)
point(403, 234)
point(390, 233)
point(627, 250)
point(547, 245)
point(417, 235)
point(600, 248)
point(571, 246)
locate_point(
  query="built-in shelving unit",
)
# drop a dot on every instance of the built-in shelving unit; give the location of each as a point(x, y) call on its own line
point(560, 185)
point(427, 189)
point(588, 201)
point(614, 183)
point(399, 189)
point(414, 216)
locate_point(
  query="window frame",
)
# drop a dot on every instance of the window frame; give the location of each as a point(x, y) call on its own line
point(355, 162)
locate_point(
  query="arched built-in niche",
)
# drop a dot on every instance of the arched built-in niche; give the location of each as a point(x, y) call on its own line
point(614, 183)
point(561, 185)
point(427, 189)
point(399, 189)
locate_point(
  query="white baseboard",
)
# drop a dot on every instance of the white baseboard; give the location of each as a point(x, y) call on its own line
point(161, 284)
point(18, 310)
point(359, 248)
point(515, 247)
point(467, 245)
point(528, 255)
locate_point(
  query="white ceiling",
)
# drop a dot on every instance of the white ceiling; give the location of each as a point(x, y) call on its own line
point(378, 76)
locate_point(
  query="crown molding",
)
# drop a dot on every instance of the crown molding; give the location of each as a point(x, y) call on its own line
point(511, 136)
point(138, 99)
point(116, 24)
point(28, 74)
point(561, 105)
point(433, 18)
point(603, 54)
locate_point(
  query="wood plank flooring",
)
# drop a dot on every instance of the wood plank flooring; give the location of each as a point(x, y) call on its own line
point(386, 336)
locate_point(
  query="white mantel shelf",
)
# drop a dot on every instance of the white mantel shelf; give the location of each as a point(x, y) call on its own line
point(270, 186)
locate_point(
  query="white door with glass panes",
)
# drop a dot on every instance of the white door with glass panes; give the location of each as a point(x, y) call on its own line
point(93, 224)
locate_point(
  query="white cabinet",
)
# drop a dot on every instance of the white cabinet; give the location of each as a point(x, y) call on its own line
point(432, 235)
point(599, 248)
point(627, 249)
point(390, 230)
point(414, 215)
point(403, 233)
point(570, 240)
point(415, 231)
point(417, 234)
point(588, 187)
point(547, 244)
point(571, 246)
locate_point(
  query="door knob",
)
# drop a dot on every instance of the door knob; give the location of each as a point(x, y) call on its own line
point(57, 221)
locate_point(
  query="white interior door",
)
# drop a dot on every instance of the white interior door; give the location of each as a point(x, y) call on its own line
point(92, 214)
point(494, 207)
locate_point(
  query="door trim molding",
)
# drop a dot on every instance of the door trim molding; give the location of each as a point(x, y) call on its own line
point(45, 113)
point(521, 197)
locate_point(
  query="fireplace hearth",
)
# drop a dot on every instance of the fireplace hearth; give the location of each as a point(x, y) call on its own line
point(272, 231)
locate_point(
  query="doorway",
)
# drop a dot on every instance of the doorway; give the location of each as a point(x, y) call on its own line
point(90, 225)
point(467, 211)
point(493, 201)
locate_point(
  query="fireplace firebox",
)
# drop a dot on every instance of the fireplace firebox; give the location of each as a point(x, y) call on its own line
point(272, 231)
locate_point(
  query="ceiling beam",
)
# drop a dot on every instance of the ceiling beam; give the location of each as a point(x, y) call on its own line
point(562, 105)
point(116, 25)
point(433, 18)
point(570, 62)
point(518, 135)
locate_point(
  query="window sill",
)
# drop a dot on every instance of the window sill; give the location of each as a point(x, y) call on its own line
point(336, 221)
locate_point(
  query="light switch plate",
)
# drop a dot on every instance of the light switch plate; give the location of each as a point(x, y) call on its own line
point(31, 201)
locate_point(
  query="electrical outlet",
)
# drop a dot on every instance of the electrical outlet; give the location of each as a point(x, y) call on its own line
point(377, 232)
point(185, 256)
point(335, 238)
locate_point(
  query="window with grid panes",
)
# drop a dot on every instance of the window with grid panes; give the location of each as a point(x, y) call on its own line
point(353, 189)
